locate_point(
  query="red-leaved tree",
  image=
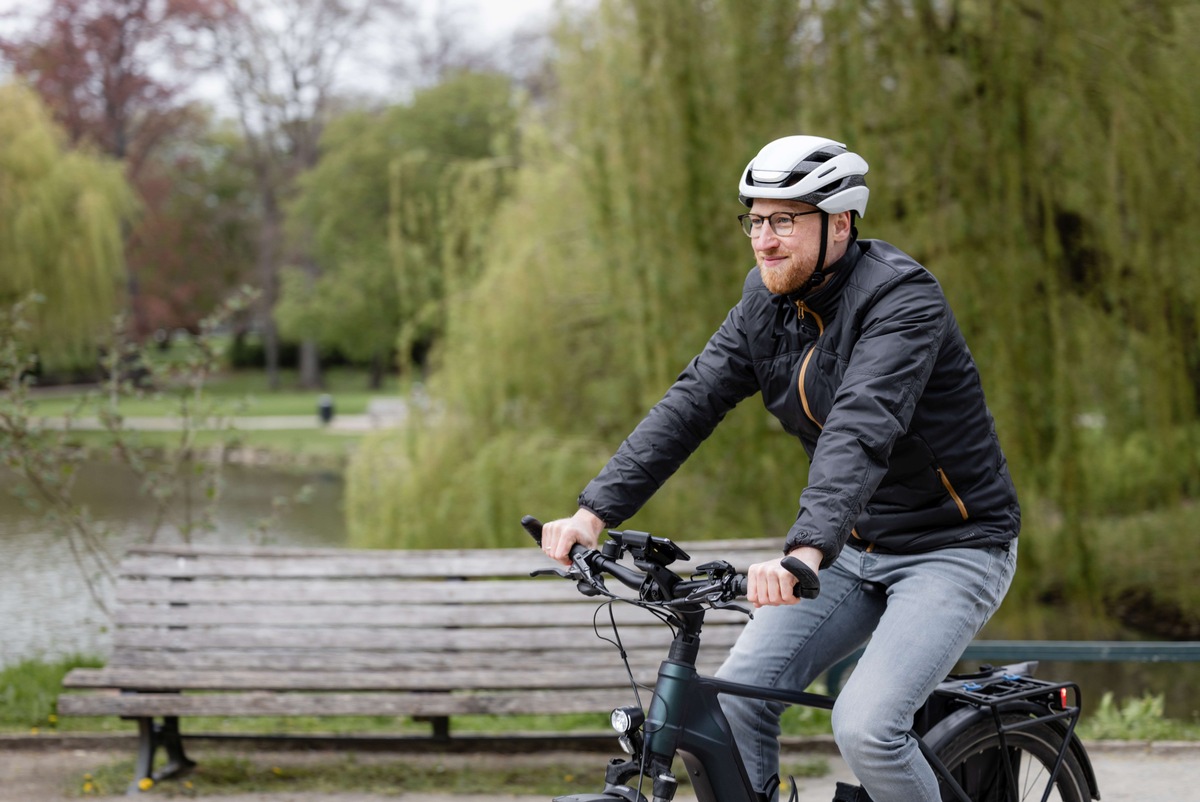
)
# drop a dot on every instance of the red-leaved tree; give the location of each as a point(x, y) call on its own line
point(115, 74)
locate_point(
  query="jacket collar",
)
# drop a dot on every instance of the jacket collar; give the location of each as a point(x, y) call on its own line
point(824, 299)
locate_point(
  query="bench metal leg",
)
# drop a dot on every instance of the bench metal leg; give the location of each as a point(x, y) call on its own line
point(440, 725)
point(151, 736)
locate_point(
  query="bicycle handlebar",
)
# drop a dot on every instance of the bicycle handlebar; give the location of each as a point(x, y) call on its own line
point(808, 585)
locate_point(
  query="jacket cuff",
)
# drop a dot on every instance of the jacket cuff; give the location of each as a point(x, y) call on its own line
point(829, 551)
point(588, 504)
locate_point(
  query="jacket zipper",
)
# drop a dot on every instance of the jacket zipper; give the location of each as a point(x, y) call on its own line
point(803, 309)
point(962, 508)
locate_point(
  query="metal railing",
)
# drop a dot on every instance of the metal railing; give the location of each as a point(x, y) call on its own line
point(1081, 651)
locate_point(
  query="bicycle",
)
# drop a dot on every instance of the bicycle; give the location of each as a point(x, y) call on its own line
point(997, 735)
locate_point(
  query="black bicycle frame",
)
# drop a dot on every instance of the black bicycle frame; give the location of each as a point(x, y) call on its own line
point(685, 718)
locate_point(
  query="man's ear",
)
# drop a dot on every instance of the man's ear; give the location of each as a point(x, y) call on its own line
point(843, 224)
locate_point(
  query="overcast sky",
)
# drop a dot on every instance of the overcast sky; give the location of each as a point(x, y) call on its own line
point(488, 23)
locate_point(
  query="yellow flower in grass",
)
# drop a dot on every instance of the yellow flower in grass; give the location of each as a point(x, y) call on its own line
point(145, 784)
point(89, 788)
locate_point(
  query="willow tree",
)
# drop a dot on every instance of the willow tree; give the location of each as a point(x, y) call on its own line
point(617, 257)
point(61, 215)
point(1038, 158)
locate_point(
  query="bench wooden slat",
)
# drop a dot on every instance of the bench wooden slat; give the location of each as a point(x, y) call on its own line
point(548, 639)
point(448, 679)
point(258, 703)
point(402, 616)
point(698, 550)
point(332, 591)
point(517, 562)
point(344, 661)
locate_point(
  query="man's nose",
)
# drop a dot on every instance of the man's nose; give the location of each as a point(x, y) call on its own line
point(765, 237)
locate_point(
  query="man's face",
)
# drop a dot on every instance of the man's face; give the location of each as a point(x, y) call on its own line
point(785, 263)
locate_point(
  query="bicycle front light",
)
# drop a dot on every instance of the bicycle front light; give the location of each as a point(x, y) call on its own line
point(627, 719)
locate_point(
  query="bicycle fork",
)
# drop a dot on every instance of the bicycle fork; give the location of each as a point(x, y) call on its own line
point(685, 718)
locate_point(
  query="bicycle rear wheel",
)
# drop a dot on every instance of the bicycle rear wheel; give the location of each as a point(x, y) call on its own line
point(976, 760)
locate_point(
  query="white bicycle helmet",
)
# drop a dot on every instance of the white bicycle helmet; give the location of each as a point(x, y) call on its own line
point(809, 169)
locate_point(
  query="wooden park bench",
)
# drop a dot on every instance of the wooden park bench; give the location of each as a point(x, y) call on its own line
point(220, 631)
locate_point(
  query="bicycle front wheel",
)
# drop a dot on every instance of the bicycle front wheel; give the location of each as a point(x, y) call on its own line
point(976, 760)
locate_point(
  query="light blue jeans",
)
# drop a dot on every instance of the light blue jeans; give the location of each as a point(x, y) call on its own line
point(934, 606)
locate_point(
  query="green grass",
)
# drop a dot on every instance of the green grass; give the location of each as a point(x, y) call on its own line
point(242, 393)
point(291, 445)
point(282, 773)
point(29, 692)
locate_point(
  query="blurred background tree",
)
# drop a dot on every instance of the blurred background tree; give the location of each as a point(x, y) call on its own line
point(280, 60)
point(92, 63)
point(383, 209)
point(61, 215)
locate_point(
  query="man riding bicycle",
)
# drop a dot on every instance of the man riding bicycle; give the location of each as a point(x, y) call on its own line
point(857, 353)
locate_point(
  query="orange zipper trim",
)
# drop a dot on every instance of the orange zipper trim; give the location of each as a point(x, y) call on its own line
point(803, 395)
point(962, 508)
point(802, 309)
point(805, 310)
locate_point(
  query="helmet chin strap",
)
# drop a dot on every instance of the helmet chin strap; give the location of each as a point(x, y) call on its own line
point(818, 274)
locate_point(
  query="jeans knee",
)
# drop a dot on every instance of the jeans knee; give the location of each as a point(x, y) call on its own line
point(864, 733)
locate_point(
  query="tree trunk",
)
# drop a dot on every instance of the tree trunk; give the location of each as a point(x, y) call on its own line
point(268, 271)
point(376, 376)
point(310, 365)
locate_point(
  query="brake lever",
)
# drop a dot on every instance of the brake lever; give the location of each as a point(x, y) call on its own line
point(560, 572)
point(737, 608)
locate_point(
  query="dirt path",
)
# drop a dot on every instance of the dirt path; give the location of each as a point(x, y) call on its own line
point(1126, 772)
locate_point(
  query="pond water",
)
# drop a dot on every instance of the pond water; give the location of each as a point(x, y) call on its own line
point(46, 610)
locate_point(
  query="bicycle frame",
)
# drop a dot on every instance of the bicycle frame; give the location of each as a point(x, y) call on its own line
point(685, 718)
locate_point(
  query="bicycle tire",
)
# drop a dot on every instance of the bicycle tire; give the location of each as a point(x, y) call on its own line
point(972, 754)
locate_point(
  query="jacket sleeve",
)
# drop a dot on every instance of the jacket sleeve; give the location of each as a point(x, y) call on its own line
point(712, 384)
point(901, 333)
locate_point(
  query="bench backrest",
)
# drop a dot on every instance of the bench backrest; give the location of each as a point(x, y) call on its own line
point(436, 620)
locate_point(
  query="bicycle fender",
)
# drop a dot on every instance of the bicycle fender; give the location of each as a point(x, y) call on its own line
point(945, 730)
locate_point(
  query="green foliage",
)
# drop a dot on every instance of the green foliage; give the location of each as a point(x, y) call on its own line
point(29, 691)
point(61, 218)
point(484, 483)
point(1039, 161)
point(395, 209)
point(1133, 720)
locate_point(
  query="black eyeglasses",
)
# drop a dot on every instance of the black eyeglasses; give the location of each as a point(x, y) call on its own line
point(782, 223)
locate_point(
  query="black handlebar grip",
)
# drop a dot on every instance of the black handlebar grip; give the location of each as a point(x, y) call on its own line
point(808, 586)
point(534, 527)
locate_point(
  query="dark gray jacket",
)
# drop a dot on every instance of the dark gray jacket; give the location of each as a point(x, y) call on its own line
point(873, 376)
